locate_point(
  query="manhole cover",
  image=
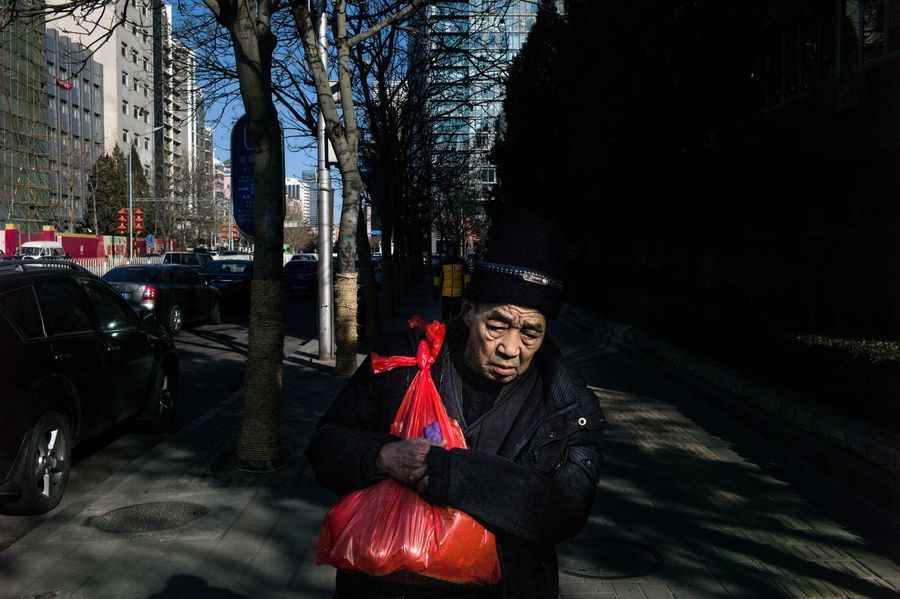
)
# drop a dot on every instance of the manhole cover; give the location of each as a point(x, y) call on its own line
point(147, 517)
point(608, 558)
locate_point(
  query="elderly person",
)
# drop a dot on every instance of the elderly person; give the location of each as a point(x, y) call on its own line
point(533, 430)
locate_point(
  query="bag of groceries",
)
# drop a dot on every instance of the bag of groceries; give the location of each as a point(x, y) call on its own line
point(388, 527)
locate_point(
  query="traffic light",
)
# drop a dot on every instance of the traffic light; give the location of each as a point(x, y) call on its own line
point(138, 220)
point(122, 220)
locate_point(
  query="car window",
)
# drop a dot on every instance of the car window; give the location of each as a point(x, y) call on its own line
point(301, 266)
point(112, 313)
point(21, 309)
point(129, 275)
point(64, 307)
point(234, 268)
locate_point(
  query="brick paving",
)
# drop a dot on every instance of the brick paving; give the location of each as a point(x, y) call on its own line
point(713, 498)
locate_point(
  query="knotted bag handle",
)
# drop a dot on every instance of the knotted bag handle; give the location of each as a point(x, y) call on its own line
point(427, 352)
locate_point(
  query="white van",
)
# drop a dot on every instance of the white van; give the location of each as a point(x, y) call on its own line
point(41, 250)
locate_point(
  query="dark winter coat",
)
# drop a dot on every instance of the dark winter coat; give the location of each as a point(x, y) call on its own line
point(535, 492)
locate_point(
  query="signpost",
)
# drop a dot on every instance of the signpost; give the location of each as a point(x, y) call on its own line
point(243, 190)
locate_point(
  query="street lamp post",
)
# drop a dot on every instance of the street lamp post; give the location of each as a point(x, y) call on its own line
point(131, 197)
point(326, 313)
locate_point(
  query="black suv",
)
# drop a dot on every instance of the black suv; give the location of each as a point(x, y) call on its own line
point(75, 360)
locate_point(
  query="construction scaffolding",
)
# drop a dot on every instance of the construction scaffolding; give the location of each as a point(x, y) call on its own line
point(24, 136)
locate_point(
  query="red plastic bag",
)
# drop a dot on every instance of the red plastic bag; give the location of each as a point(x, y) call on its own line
point(387, 527)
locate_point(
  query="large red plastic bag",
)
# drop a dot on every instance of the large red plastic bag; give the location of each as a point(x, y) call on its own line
point(387, 527)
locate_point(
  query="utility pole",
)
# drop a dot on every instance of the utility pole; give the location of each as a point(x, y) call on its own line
point(130, 202)
point(326, 309)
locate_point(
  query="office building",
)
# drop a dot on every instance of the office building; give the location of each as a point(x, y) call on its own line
point(24, 145)
point(469, 46)
point(75, 121)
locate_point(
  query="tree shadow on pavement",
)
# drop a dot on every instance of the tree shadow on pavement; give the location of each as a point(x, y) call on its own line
point(713, 500)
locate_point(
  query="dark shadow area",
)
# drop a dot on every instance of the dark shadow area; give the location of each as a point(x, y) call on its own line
point(741, 202)
point(715, 496)
point(183, 587)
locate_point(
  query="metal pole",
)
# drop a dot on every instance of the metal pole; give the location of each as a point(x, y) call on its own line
point(326, 310)
point(130, 244)
point(215, 234)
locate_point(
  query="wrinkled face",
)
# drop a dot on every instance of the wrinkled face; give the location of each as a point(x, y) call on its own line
point(503, 339)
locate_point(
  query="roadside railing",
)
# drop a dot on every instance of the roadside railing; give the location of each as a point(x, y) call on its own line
point(100, 266)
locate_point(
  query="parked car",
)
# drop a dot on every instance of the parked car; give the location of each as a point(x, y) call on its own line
point(197, 260)
point(75, 360)
point(178, 295)
point(303, 256)
point(232, 279)
point(300, 277)
point(41, 250)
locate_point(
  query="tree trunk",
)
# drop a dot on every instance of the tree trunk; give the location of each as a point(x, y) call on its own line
point(260, 445)
point(367, 277)
point(345, 288)
point(386, 302)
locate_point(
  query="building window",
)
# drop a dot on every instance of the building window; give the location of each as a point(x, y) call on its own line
point(136, 113)
point(124, 78)
point(146, 144)
point(146, 90)
point(125, 107)
point(488, 175)
point(145, 116)
point(124, 50)
point(134, 83)
point(134, 56)
point(145, 58)
point(125, 135)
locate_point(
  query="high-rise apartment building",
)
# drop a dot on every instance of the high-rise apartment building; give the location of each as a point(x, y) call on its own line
point(296, 192)
point(75, 125)
point(24, 147)
point(184, 157)
point(309, 177)
point(127, 59)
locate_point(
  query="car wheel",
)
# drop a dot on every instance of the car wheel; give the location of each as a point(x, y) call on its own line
point(161, 404)
point(175, 322)
point(48, 459)
point(215, 313)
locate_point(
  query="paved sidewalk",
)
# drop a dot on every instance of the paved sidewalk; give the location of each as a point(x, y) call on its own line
point(691, 505)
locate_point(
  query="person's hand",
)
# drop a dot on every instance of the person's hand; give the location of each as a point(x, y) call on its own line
point(404, 461)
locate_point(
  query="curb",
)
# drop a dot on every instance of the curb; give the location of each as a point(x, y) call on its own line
point(853, 453)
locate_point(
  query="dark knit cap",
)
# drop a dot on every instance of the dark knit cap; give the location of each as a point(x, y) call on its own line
point(522, 266)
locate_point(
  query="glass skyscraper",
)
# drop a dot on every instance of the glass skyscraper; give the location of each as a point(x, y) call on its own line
point(461, 63)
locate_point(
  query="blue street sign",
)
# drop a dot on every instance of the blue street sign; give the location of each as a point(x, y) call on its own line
point(243, 190)
point(149, 240)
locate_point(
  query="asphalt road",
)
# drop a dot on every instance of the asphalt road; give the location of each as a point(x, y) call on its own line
point(212, 368)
